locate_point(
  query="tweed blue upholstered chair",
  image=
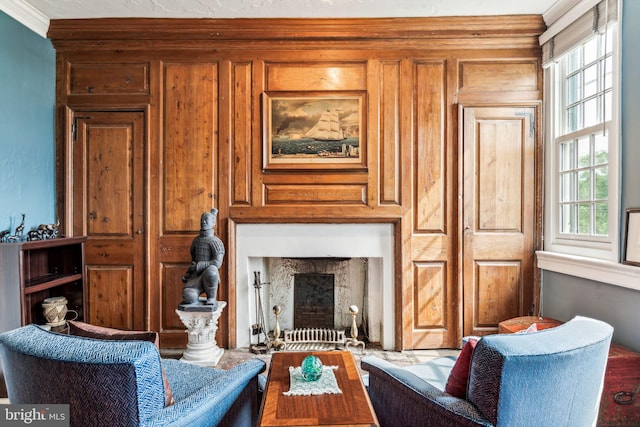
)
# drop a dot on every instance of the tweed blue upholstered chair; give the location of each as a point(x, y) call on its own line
point(551, 378)
point(120, 383)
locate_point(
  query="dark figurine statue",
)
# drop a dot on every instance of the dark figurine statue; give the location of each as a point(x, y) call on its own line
point(207, 253)
point(18, 234)
point(44, 232)
point(20, 228)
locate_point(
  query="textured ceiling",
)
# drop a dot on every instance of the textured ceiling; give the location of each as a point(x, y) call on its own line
point(61, 9)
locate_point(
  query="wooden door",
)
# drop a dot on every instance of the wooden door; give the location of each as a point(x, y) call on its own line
point(498, 147)
point(108, 207)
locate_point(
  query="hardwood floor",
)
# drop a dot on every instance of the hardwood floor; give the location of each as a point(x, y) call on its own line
point(400, 358)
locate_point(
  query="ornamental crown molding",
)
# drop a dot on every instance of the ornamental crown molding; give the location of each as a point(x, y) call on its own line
point(287, 29)
point(27, 15)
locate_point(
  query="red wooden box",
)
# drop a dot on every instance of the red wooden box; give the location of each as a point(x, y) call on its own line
point(620, 402)
point(518, 324)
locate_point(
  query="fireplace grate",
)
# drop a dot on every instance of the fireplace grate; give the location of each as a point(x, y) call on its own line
point(310, 339)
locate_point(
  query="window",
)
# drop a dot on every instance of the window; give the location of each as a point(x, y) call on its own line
point(586, 89)
point(581, 168)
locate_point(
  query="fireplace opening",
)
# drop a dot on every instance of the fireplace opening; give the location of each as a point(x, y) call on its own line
point(278, 251)
point(315, 292)
point(313, 300)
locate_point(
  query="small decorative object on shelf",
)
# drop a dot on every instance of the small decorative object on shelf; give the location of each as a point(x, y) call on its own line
point(17, 235)
point(55, 310)
point(20, 228)
point(44, 232)
point(311, 368)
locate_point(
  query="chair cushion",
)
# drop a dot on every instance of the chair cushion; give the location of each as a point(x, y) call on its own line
point(87, 330)
point(435, 371)
point(459, 376)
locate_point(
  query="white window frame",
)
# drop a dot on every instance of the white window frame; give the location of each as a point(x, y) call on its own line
point(558, 254)
point(583, 246)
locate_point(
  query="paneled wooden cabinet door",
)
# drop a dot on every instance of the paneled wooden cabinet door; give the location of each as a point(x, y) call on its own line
point(498, 148)
point(431, 310)
point(108, 207)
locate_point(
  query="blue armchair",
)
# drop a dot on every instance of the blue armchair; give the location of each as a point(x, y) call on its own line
point(549, 378)
point(109, 383)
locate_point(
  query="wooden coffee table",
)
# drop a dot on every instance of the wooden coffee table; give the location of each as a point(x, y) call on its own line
point(351, 408)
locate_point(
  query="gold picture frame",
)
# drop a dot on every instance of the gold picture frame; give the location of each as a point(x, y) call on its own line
point(314, 130)
point(632, 238)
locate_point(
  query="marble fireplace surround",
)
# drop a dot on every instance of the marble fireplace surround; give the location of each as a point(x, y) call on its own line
point(255, 243)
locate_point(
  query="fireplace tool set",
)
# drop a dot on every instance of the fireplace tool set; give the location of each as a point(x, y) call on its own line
point(258, 328)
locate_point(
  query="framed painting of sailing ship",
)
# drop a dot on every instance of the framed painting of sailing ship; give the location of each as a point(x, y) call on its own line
point(314, 130)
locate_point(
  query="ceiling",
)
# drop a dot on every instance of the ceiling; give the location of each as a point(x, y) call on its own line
point(56, 9)
point(36, 14)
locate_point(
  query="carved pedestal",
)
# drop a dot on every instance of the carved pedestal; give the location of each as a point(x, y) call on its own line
point(202, 348)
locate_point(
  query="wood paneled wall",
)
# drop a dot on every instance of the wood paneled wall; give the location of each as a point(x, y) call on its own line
point(201, 83)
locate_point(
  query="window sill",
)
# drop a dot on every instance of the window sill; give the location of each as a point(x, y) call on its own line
point(612, 273)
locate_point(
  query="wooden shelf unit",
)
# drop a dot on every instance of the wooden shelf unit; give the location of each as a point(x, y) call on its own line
point(35, 270)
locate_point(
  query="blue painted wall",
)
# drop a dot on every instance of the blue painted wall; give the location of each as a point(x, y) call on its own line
point(630, 105)
point(566, 296)
point(27, 126)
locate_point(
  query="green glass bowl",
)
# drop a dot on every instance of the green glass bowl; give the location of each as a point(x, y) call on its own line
point(311, 368)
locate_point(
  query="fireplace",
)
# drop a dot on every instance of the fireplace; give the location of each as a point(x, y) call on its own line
point(359, 256)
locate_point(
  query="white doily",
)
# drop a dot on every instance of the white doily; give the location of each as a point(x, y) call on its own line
point(326, 384)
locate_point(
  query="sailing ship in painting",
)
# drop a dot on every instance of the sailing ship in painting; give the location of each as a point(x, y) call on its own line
point(327, 128)
point(329, 137)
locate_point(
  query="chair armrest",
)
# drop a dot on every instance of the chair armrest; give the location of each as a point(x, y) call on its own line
point(400, 397)
point(204, 395)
